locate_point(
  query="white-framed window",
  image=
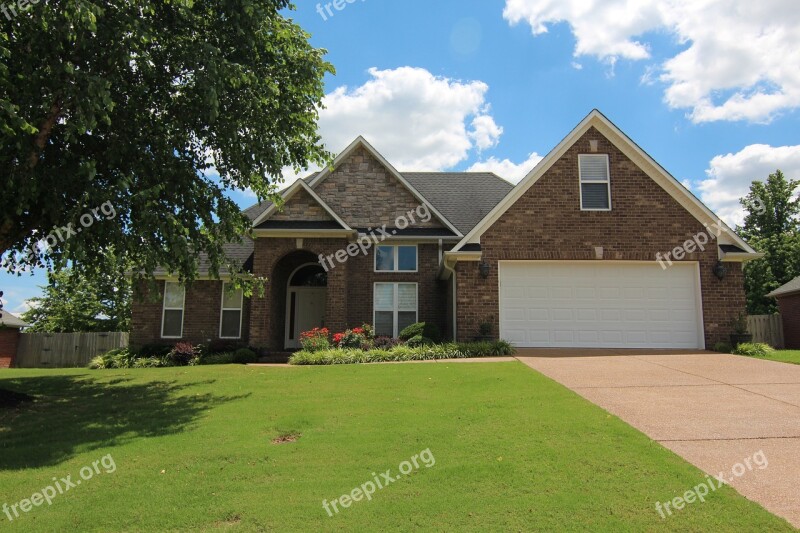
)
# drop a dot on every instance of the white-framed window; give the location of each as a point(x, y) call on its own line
point(395, 307)
point(230, 320)
point(396, 258)
point(172, 315)
point(595, 178)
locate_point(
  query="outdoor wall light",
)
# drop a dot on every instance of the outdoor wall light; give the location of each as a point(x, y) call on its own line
point(720, 271)
point(484, 268)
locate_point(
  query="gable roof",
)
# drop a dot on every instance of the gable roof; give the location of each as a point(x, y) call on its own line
point(624, 143)
point(361, 142)
point(11, 321)
point(790, 288)
point(300, 185)
point(463, 197)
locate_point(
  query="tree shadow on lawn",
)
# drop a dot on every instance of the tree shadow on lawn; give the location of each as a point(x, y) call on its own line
point(75, 414)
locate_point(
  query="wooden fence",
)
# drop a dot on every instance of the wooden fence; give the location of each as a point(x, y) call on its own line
point(65, 350)
point(766, 328)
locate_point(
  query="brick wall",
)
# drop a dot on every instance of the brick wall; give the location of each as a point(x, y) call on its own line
point(201, 319)
point(277, 259)
point(350, 287)
point(302, 207)
point(9, 338)
point(363, 193)
point(547, 223)
point(790, 314)
point(431, 292)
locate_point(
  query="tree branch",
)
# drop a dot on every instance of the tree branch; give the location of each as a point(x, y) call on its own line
point(40, 141)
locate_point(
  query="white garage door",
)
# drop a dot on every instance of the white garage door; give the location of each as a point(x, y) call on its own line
point(600, 305)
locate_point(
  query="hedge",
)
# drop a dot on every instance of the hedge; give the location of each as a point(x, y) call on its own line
point(403, 353)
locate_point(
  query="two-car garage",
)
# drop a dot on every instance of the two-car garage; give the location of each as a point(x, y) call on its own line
point(600, 304)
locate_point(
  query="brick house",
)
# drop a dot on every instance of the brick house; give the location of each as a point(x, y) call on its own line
point(10, 330)
point(597, 247)
point(788, 298)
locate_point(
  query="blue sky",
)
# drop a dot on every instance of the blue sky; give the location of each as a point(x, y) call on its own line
point(711, 92)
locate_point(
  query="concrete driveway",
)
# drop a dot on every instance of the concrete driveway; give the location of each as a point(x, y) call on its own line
point(713, 410)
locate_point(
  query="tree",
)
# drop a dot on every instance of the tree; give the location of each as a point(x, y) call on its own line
point(96, 298)
point(772, 226)
point(114, 117)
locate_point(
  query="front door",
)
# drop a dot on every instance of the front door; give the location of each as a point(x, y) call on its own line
point(305, 311)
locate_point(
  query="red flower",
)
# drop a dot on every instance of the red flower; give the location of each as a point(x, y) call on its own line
point(337, 337)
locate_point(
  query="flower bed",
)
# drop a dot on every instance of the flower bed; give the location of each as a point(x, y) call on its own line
point(338, 356)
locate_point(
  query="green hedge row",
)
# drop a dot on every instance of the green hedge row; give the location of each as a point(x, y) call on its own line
point(404, 353)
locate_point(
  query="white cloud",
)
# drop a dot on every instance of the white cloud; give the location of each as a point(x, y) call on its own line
point(506, 168)
point(417, 120)
point(730, 176)
point(739, 63)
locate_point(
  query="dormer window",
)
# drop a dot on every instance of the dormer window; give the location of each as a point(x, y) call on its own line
point(595, 178)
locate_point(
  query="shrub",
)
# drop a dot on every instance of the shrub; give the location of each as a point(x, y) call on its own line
point(315, 340)
point(419, 340)
point(423, 330)
point(356, 338)
point(244, 356)
point(117, 358)
point(723, 347)
point(153, 350)
point(754, 349)
point(148, 362)
point(182, 354)
point(221, 358)
point(224, 346)
point(402, 353)
point(380, 343)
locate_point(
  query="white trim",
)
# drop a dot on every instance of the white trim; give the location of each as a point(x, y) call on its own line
point(607, 181)
point(396, 259)
point(164, 310)
point(289, 193)
point(361, 141)
point(305, 233)
point(655, 171)
point(701, 339)
point(396, 304)
point(223, 309)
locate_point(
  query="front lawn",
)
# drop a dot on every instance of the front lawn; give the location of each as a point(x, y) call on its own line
point(193, 450)
point(785, 356)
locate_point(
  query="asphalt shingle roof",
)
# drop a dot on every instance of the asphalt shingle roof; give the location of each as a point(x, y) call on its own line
point(791, 287)
point(238, 253)
point(464, 198)
point(11, 321)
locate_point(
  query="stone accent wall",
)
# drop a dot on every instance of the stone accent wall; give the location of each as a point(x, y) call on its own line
point(202, 315)
point(790, 314)
point(363, 193)
point(302, 206)
point(547, 223)
point(9, 338)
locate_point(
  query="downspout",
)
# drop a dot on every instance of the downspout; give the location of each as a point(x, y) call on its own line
point(455, 311)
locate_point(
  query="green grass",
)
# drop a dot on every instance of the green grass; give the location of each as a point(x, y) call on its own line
point(514, 451)
point(784, 356)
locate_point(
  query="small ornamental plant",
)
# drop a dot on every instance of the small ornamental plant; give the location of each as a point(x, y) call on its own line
point(315, 340)
point(357, 338)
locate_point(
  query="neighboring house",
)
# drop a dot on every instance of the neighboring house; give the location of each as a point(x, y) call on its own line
point(788, 298)
point(597, 247)
point(10, 327)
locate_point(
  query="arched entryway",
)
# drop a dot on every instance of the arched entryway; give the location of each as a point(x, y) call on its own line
point(306, 299)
